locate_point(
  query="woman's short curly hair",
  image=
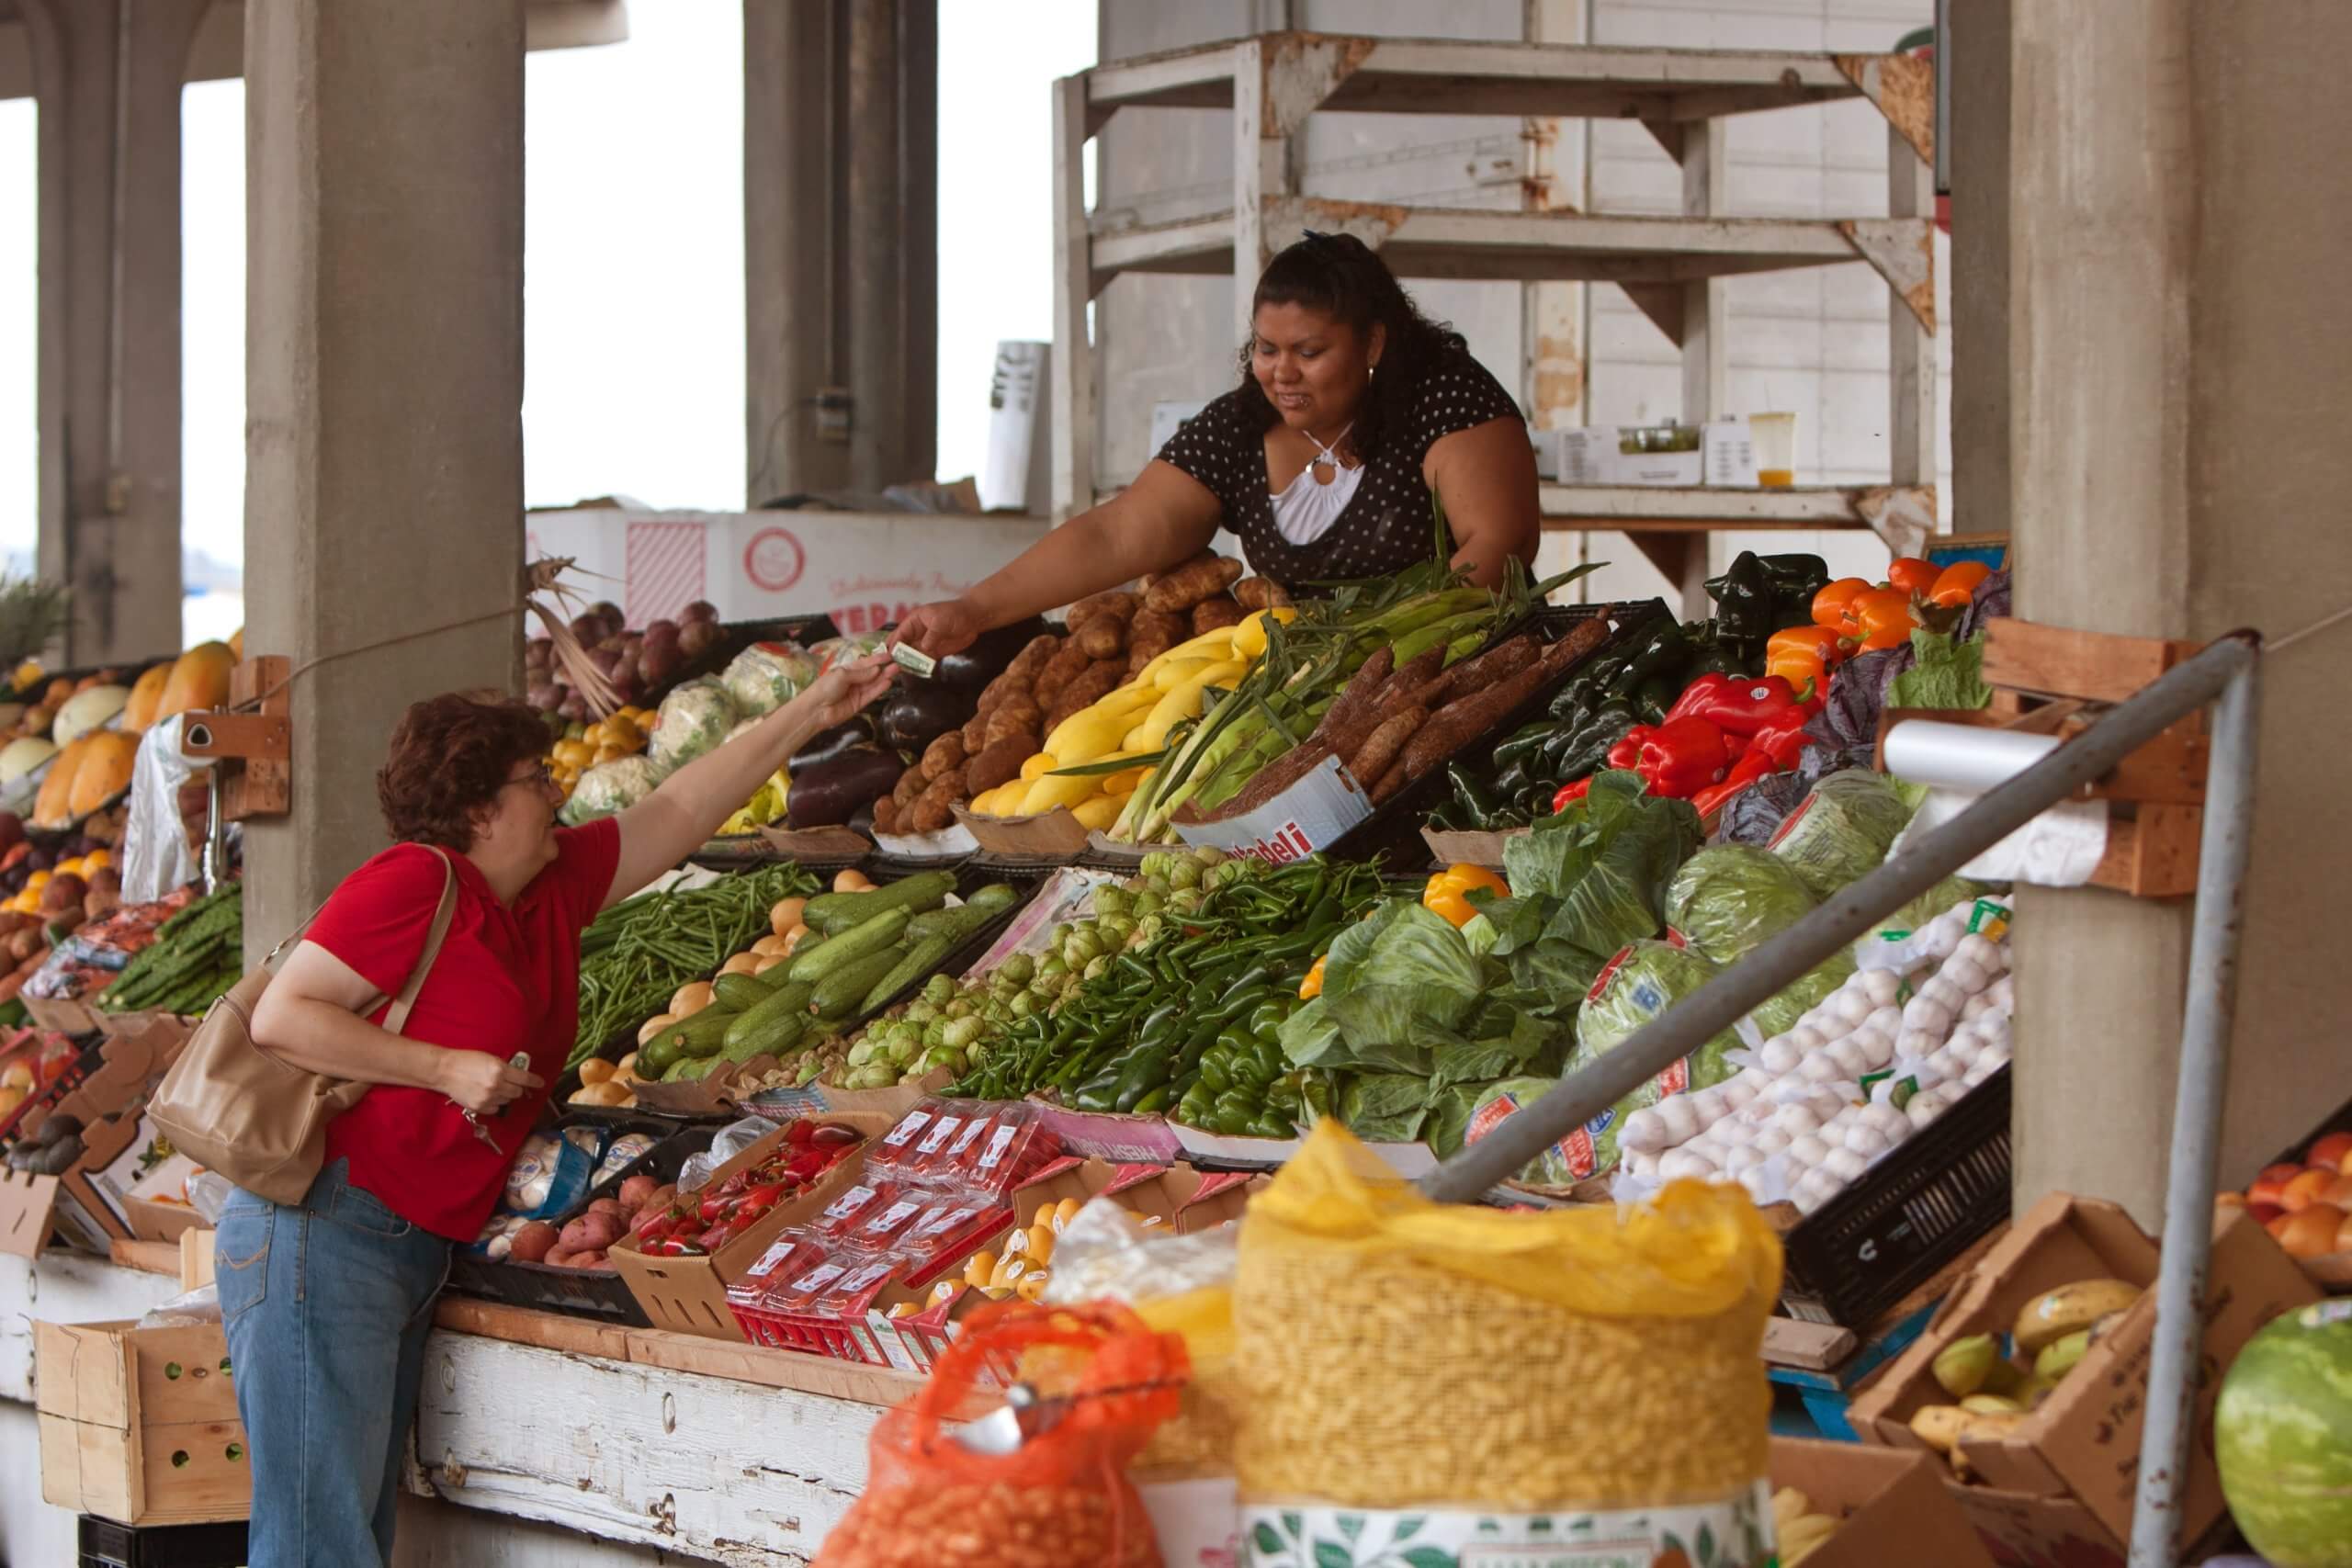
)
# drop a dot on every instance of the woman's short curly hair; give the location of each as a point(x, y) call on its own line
point(450, 757)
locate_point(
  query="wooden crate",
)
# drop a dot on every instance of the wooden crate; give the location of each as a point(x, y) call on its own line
point(140, 1425)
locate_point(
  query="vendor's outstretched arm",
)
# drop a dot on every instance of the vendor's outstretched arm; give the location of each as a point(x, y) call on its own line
point(1485, 477)
point(1164, 518)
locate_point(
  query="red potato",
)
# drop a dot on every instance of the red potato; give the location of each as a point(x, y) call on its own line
point(590, 1260)
point(637, 1191)
point(612, 1206)
point(602, 1230)
point(533, 1243)
point(574, 1236)
point(558, 1257)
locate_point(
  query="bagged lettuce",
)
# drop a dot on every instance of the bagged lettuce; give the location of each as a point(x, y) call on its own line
point(610, 788)
point(766, 676)
point(1727, 899)
point(693, 720)
point(1808, 991)
point(1842, 829)
point(1640, 983)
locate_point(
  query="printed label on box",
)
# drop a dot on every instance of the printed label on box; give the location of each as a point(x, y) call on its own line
point(816, 1279)
point(849, 1203)
point(939, 1134)
point(904, 1132)
point(1737, 1530)
point(1308, 817)
point(997, 1145)
point(972, 1129)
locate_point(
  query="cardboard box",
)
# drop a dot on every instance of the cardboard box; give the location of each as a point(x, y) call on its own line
point(1051, 835)
point(1308, 816)
point(2071, 1470)
point(1893, 1504)
point(28, 1211)
point(689, 1294)
point(1455, 846)
point(140, 1425)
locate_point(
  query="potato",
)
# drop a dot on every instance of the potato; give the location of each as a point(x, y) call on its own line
point(655, 1025)
point(767, 946)
point(782, 917)
point(976, 733)
point(1012, 719)
point(1214, 614)
point(556, 1257)
point(1117, 602)
point(1198, 578)
point(595, 1070)
point(532, 1242)
point(1061, 670)
point(573, 1237)
point(944, 755)
point(612, 1206)
point(935, 812)
point(635, 1189)
point(1000, 764)
point(595, 1259)
point(1104, 636)
point(1032, 656)
point(626, 1068)
point(600, 1229)
point(911, 785)
point(887, 812)
point(770, 962)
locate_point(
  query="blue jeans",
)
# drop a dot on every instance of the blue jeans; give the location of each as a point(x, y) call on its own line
point(326, 1304)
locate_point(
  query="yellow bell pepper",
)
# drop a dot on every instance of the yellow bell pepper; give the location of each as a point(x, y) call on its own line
point(1446, 894)
point(1312, 986)
point(1250, 637)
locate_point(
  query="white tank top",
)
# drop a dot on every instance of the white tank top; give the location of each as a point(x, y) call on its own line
point(1305, 509)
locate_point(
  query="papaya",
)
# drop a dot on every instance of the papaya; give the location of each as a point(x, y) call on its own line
point(104, 771)
point(146, 697)
point(199, 680)
point(53, 808)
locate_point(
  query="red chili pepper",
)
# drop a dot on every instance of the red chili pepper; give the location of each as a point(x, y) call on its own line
point(716, 1207)
point(1570, 792)
point(800, 1133)
point(1683, 757)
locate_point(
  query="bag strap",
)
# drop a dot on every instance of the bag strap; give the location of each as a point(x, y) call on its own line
point(396, 1019)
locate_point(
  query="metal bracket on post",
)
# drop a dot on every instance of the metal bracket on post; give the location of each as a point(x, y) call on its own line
point(251, 753)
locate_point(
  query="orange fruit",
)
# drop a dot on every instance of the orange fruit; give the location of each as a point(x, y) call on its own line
point(2304, 1187)
point(1912, 575)
point(2331, 1150)
point(2310, 1231)
point(1956, 584)
point(1829, 604)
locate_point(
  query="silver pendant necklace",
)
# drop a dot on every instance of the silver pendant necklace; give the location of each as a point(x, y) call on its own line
point(1324, 464)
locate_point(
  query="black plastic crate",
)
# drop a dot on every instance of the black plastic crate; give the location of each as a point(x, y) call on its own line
point(573, 1292)
point(1394, 830)
point(102, 1543)
point(1912, 1212)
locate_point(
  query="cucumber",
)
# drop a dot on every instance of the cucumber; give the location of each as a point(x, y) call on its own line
point(835, 912)
point(838, 994)
point(702, 1034)
point(921, 959)
point(871, 936)
point(956, 923)
point(786, 1003)
point(741, 992)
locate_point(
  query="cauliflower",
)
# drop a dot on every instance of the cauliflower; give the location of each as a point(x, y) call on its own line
point(766, 675)
point(611, 787)
point(693, 720)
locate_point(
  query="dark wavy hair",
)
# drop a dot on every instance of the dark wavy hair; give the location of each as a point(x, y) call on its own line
point(1338, 275)
point(450, 757)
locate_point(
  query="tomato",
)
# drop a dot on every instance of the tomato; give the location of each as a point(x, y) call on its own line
point(1829, 604)
point(1956, 584)
point(1911, 574)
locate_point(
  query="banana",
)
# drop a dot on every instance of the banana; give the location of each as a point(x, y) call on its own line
point(1963, 1366)
point(1803, 1537)
point(2060, 1356)
point(1938, 1425)
point(1974, 1428)
point(2054, 1314)
point(1991, 1404)
point(1788, 1504)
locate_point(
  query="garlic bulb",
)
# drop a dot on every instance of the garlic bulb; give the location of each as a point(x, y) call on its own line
point(1881, 986)
point(1807, 1150)
point(1844, 1163)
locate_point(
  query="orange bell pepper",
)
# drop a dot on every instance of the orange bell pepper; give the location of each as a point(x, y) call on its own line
point(1911, 574)
point(1312, 986)
point(1446, 893)
point(1803, 670)
point(1956, 584)
point(1829, 604)
point(1883, 618)
point(1821, 642)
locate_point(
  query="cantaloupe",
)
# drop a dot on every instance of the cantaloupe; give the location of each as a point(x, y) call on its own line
point(21, 756)
point(104, 770)
point(53, 808)
point(199, 680)
point(85, 711)
point(146, 697)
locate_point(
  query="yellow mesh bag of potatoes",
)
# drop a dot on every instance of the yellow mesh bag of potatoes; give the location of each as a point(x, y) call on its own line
point(1391, 1351)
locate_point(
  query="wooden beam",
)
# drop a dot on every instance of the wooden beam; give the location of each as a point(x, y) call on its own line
point(1071, 368)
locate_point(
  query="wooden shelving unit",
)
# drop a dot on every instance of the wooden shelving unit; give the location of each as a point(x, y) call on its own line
point(1674, 268)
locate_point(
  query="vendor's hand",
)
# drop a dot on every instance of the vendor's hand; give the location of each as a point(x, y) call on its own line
point(843, 691)
point(482, 1083)
point(939, 629)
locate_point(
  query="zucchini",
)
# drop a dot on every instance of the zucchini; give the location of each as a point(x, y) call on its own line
point(921, 959)
point(836, 912)
point(838, 994)
point(702, 1034)
point(773, 1041)
point(871, 936)
point(785, 1002)
point(955, 924)
point(741, 992)
point(996, 896)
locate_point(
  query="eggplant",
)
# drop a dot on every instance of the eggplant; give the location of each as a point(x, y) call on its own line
point(919, 713)
point(830, 793)
point(970, 669)
point(826, 744)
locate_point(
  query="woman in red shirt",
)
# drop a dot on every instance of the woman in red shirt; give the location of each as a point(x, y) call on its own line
point(327, 1302)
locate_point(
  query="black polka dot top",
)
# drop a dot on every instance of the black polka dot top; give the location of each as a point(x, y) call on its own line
point(1386, 527)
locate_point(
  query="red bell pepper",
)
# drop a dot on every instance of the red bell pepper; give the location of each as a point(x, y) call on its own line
point(1737, 704)
point(1754, 764)
point(1570, 792)
point(1683, 757)
point(1778, 746)
point(1629, 746)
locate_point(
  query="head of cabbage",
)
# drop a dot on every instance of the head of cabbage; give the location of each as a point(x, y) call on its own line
point(693, 720)
point(1841, 829)
point(1727, 899)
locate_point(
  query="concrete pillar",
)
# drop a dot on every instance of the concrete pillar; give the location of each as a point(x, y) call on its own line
point(2169, 276)
point(107, 75)
point(384, 376)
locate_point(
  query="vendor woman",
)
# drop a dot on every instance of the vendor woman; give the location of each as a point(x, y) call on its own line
point(1352, 408)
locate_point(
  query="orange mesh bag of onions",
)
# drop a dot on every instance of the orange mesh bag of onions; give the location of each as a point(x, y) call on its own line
point(1060, 1499)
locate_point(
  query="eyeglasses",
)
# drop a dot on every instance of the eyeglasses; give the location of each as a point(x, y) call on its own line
point(540, 777)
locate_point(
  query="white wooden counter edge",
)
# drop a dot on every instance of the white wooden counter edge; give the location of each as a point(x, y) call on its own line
point(701, 1465)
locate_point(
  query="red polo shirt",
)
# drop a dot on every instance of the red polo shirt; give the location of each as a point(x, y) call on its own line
point(506, 979)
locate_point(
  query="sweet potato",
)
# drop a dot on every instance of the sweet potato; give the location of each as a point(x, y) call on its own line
point(1033, 655)
point(1000, 764)
point(1217, 610)
point(1466, 718)
point(976, 732)
point(1116, 601)
point(944, 755)
point(1063, 668)
point(1104, 637)
point(1196, 579)
point(1393, 780)
point(936, 809)
point(1254, 593)
point(1355, 713)
point(1477, 673)
point(912, 783)
point(1379, 752)
point(1022, 717)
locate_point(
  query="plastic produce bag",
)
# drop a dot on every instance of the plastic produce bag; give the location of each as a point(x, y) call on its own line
point(766, 675)
point(694, 721)
point(1056, 1497)
point(1841, 830)
point(155, 855)
point(725, 1144)
point(610, 788)
point(1808, 991)
point(1449, 1361)
point(1727, 899)
point(188, 1310)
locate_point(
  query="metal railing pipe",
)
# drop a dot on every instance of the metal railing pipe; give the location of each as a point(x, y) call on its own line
point(1845, 915)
